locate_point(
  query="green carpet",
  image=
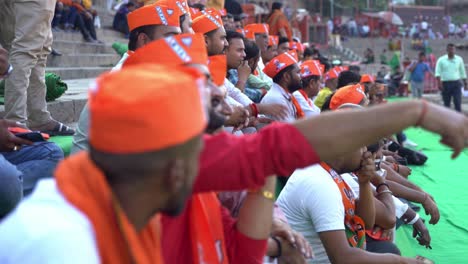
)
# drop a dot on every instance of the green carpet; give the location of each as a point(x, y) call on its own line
point(445, 180)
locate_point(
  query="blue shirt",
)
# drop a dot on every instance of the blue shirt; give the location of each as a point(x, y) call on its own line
point(419, 71)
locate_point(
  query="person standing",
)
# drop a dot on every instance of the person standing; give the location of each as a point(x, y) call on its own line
point(450, 71)
point(25, 89)
point(278, 22)
point(418, 71)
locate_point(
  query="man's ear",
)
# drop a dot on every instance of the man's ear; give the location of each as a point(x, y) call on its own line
point(142, 39)
point(174, 176)
point(206, 40)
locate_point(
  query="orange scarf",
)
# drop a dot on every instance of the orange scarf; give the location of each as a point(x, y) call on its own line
point(84, 186)
point(354, 225)
point(206, 230)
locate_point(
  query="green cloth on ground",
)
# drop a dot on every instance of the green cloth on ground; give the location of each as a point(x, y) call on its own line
point(445, 179)
point(64, 142)
point(120, 48)
point(55, 87)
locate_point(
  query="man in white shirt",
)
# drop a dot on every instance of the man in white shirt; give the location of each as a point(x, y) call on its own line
point(285, 72)
point(311, 75)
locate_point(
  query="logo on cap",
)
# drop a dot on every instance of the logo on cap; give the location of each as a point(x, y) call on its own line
point(279, 65)
point(170, 12)
point(306, 71)
point(187, 41)
point(178, 50)
point(212, 19)
point(182, 9)
point(161, 15)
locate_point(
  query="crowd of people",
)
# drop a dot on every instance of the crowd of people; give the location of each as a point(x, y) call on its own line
point(181, 148)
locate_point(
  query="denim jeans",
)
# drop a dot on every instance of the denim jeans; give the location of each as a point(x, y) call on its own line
point(11, 187)
point(452, 89)
point(35, 162)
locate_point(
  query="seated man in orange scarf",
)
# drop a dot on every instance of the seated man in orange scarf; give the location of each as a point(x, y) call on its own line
point(278, 22)
point(98, 208)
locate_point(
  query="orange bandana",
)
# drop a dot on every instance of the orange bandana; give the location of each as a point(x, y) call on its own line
point(173, 50)
point(118, 242)
point(218, 68)
point(153, 15)
point(279, 63)
point(208, 21)
point(119, 115)
point(299, 111)
point(351, 94)
point(252, 29)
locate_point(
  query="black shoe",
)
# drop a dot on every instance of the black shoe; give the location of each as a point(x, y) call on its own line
point(55, 53)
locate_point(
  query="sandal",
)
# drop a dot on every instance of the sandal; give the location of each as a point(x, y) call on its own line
point(59, 130)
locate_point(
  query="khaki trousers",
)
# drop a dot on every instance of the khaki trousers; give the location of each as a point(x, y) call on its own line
point(25, 88)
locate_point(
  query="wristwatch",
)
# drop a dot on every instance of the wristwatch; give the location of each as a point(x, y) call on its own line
point(7, 73)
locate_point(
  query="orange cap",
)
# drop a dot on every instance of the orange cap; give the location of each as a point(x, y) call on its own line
point(242, 31)
point(332, 74)
point(279, 63)
point(297, 46)
point(273, 40)
point(367, 78)
point(208, 21)
point(172, 50)
point(128, 120)
point(194, 12)
point(218, 68)
point(321, 66)
point(179, 4)
point(252, 29)
point(310, 68)
point(352, 94)
point(153, 15)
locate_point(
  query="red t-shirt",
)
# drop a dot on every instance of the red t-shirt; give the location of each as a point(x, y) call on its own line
point(229, 163)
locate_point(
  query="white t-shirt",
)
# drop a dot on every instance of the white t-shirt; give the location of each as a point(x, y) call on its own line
point(236, 94)
point(312, 204)
point(278, 95)
point(46, 228)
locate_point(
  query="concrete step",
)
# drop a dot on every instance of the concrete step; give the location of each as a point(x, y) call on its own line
point(83, 60)
point(69, 73)
point(67, 109)
point(106, 35)
point(73, 47)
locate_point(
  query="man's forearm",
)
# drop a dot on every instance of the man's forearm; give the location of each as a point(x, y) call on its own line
point(406, 193)
point(365, 207)
point(338, 133)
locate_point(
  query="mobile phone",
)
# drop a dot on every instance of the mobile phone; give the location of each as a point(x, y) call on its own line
point(33, 136)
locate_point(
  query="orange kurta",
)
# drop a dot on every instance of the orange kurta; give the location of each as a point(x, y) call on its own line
point(278, 21)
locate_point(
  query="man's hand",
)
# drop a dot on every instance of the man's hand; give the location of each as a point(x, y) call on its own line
point(3, 62)
point(284, 231)
point(452, 126)
point(421, 233)
point(239, 118)
point(367, 170)
point(290, 254)
point(431, 208)
point(8, 141)
point(404, 171)
point(244, 71)
point(464, 85)
point(278, 111)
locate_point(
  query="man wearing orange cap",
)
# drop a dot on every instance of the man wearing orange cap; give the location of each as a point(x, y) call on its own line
point(259, 34)
point(149, 23)
point(283, 45)
point(109, 195)
point(285, 72)
point(272, 49)
point(311, 77)
point(331, 81)
point(210, 25)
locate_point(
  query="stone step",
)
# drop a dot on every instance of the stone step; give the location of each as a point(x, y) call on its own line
point(83, 60)
point(105, 35)
point(69, 73)
point(73, 47)
point(67, 109)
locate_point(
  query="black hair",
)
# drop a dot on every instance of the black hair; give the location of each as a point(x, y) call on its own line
point(237, 18)
point(229, 16)
point(282, 40)
point(422, 53)
point(308, 52)
point(450, 45)
point(347, 78)
point(276, 5)
point(130, 4)
point(230, 34)
point(306, 80)
point(181, 20)
point(251, 49)
point(198, 6)
point(355, 68)
point(278, 77)
point(133, 38)
point(326, 104)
